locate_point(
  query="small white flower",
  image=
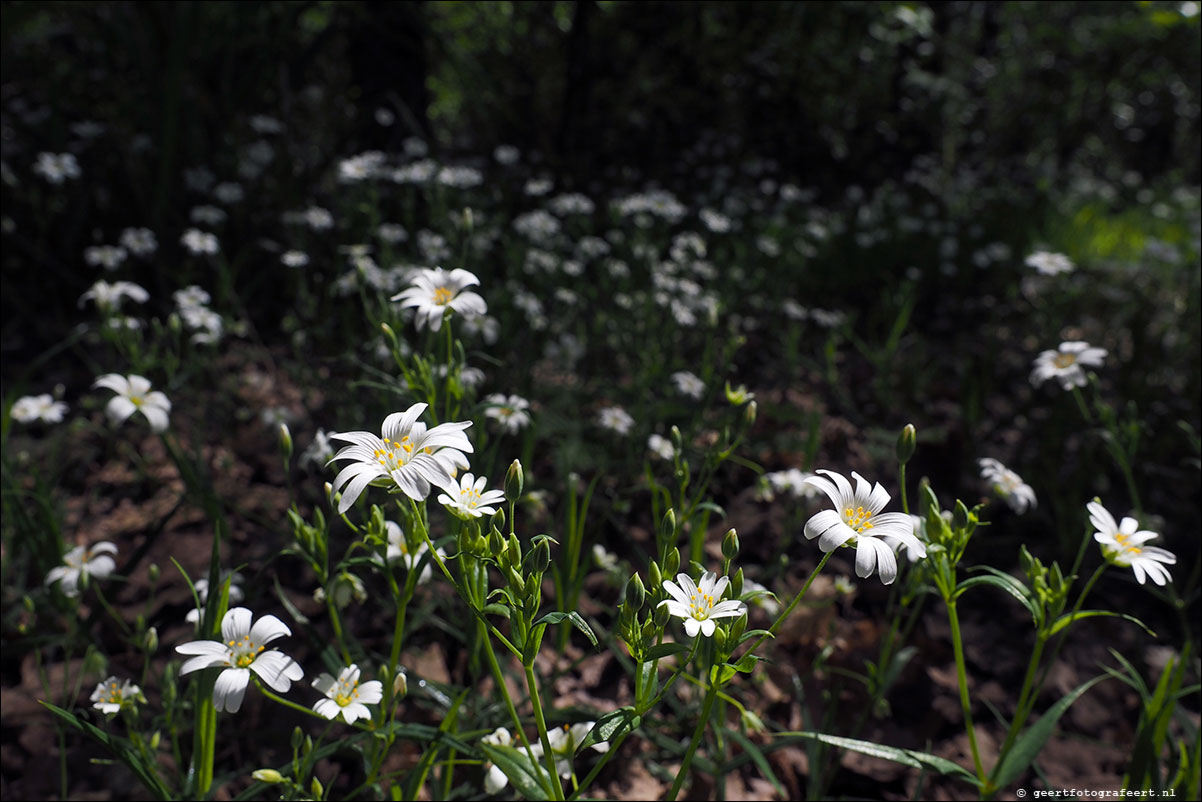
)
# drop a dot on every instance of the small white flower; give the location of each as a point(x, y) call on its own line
point(113, 694)
point(1066, 364)
point(207, 215)
point(108, 297)
point(700, 604)
point(564, 742)
point(469, 499)
point(1050, 264)
point(242, 649)
point(406, 456)
point(857, 520)
point(56, 167)
point(346, 696)
point(134, 395)
point(202, 590)
point(760, 596)
point(511, 412)
point(1122, 545)
point(81, 563)
point(436, 291)
point(606, 560)
point(109, 257)
point(398, 551)
point(615, 419)
point(200, 242)
point(1007, 484)
point(139, 241)
point(294, 258)
point(392, 233)
point(506, 154)
point(661, 447)
point(687, 384)
point(30, 408)
point(320, 451)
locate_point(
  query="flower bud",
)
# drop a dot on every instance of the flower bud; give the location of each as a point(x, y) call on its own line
point(496, 543)
point(542, 556)
point(514, 550)
point(738, 628)
point(497, 521)
point(719, 639)
point(285, 442)
point(749, 414)
point(400, 685)
point(672, 562)
point(960, 516)
point(905, 443)
point(636, 594)
point(298, 736)
point(316, 788)
point(667, 527)
point(155, 739)
point(657, 579)
point(152, 572)
point(751, 721)
point(736, 585)
point(730, 544)
point(661, 616)
point(677, 440)
point(515, 481)
point(152, 640)
point(391, 336)
point(268, 776)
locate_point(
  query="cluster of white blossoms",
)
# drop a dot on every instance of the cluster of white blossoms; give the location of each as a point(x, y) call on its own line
point(1007, 484)
point(1067, 364)
point(56, 167)
point(1050, 264)
point(564, 741)
point(192, 306)
point(31, 408)
point(406, 455)
point(134, 395)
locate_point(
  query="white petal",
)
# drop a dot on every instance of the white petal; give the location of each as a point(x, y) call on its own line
point(277, 669)
point(236, 624)
point(692, 626)
point(267, 629)
point(229, 689)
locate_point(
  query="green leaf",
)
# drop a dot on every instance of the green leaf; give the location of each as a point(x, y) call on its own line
point(746, 663)
point(758, 758)
point(1006, 583)
point(1069, 618)
point(117, 746)
point(296, 614)
point(720, 675)
point(755, 633)
point(496, 608)
point(1028, 745)
point(523, 773)
point(610, 727)
point(576, 621)
point(907, 757)
point(665, 650)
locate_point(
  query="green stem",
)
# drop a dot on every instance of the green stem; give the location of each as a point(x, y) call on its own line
point(541, 723)
point(901, 473)
point(706, 709)
point(204, 744)
point(499, 679)
point(962, 681)
point(308, 711)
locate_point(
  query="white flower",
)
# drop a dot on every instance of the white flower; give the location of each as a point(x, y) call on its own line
point(495, 780)
point(392, 233)
point(913, 553)
point(661, 447)
point(407, 456)
point(1066, 364)
point(700, 605)
point(108, 297)
point(242, 650)
point(688, 384)
point(191, 297)
point(1007, 484)
point(294, 258)
point(857, 519)
point(1050, 264)
point(437, 290)
point(207, 215)
point(228, 192)
point(564, 742)
point(346, 695)
point(506, 154)
point(80, 563)
point(615, 419)
point(30, 408)
point(202, 590)
point(56, 167)
point(761, 597)
point(199, 242)
point(134, 395)
point(113, 694)
point(139, 241)
point(606, 560)
point(109, 257)
point(510, 412)
point(398, 551)
point(469, 499)
point(320, 451)
point(1122, 545)
point(714, 221)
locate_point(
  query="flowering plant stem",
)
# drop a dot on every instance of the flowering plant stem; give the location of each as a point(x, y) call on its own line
point(962, 681)
point(541, 723)
point(796, 600)
point(205, 740)
point(706, 709)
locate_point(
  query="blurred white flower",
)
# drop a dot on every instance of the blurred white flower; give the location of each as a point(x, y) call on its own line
point(294, 258)
point(200, 242)
point(56, 167)
point(1067, 364)
point(615, 419)
point(1050, 264)
point(30, 408)
point(113, 694)
point(81, 563)
point(109, 257)
point(1007, 484)
point(511, 412)
point(435, 291)
point(1123, 545)
point(688, 384)
point(139, 241)
point(134, 395)
point(661, 447)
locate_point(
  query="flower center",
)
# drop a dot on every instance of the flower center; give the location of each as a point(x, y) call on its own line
point(443, 296)
point(346, 692)
point(136, 400)
point(1065, 360)
point(395, 454)
point(242, 653)
point(857, 519)
point(468, 497)
point(700, 605)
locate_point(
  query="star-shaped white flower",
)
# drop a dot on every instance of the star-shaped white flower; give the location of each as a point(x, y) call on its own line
point(83, 562)
point(1122, 545)
point(113, 694)
point(406, 455)
point(700, 604)
point(134, 395)
point(1007, 484)
point(346, 695)
point(243, 648)
point(1067, 364)
point(469, 499)
point(435, 291)
point(857, 520)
